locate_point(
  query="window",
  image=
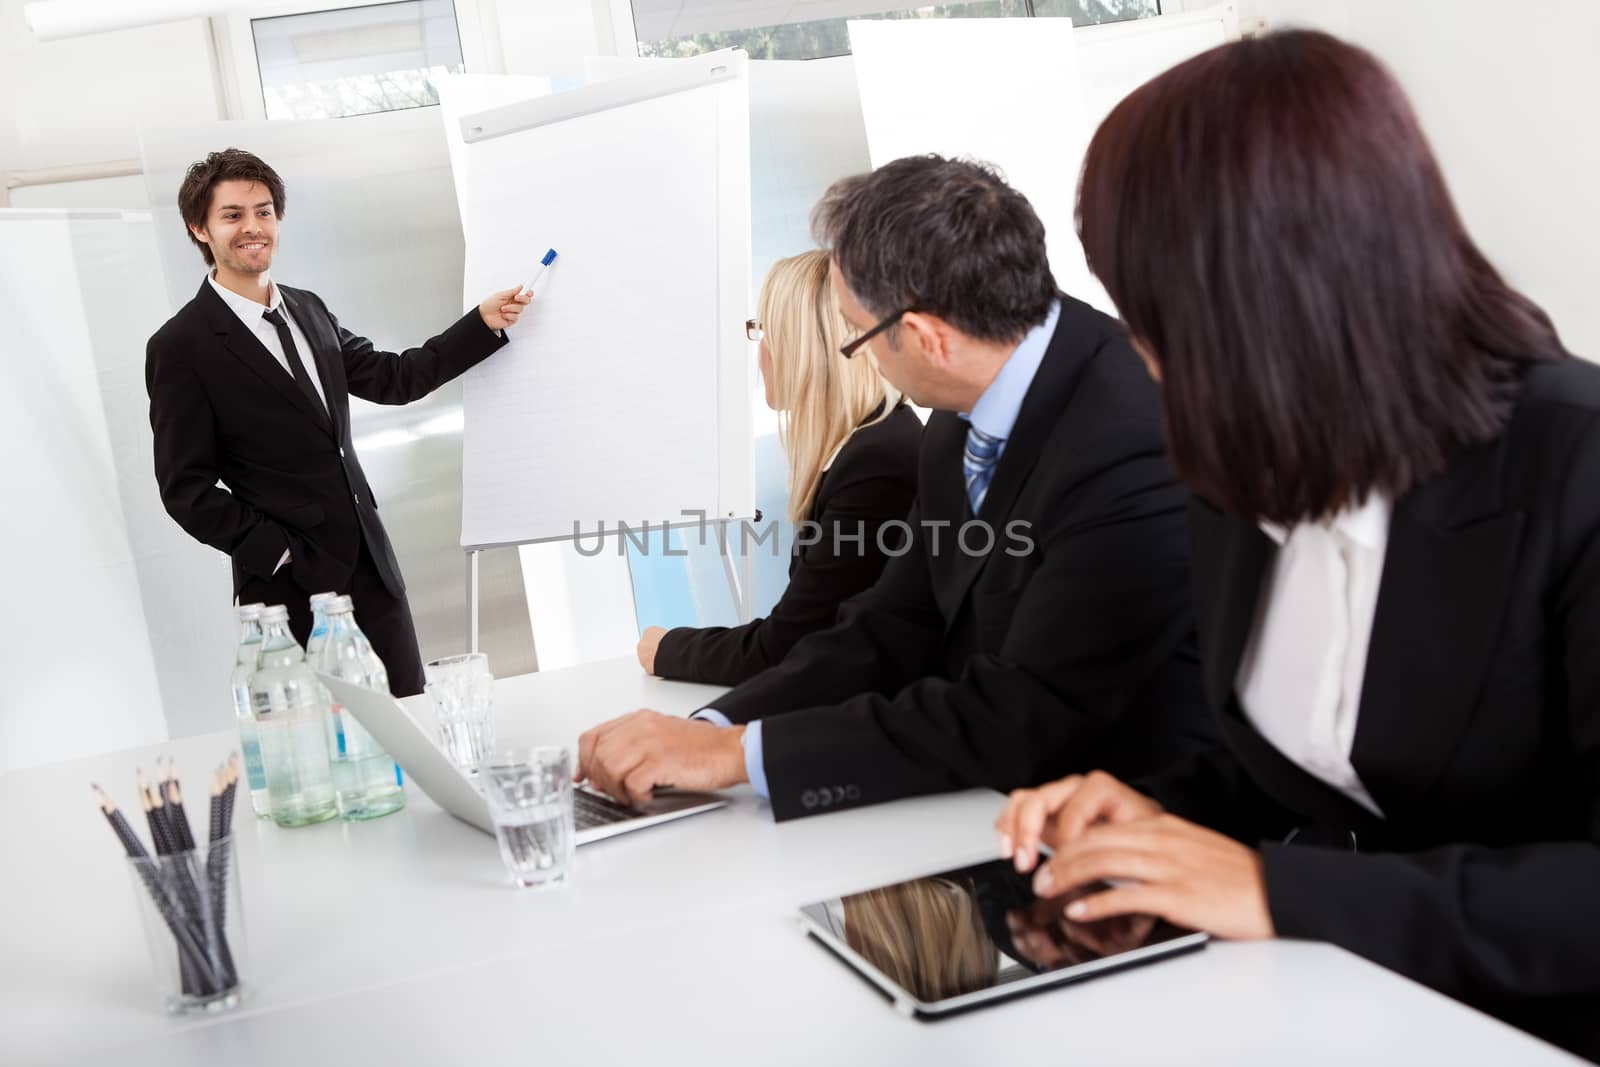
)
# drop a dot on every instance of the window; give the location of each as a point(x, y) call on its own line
point(1094, 12)
point(673, 28)
point(357, 60)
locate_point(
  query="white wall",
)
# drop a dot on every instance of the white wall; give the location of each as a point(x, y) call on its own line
point(77, 297)
point(1507, 94)
point(549, 38)
point(81, 100)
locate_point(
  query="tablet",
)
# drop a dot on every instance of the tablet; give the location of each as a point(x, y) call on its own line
point(975, 936)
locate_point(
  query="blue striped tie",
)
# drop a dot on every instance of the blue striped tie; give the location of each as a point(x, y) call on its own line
point(977, 464)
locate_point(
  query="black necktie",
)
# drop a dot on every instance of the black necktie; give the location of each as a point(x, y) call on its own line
point(281, 324)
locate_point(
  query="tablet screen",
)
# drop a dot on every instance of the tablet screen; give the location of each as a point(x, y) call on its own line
point(978, 930)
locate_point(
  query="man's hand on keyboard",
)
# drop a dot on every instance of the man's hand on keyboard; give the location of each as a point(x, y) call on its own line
point(631, 757)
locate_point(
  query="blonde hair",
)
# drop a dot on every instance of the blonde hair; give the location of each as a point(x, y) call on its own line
point(926, 935)
point(821, 397)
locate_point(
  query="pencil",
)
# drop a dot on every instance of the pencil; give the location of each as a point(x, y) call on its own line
point(182, 839)
point(175, 869)
point(228, 794)
point(119, 824)
point(216, 877)
point(214, 833)
point(180, 821)
point(155, 817)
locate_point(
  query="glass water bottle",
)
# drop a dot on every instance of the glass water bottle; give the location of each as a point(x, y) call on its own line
point(244, 666)
point(366, 779)
point(291, 718)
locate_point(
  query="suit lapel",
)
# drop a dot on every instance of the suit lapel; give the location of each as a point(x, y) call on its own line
point(243, 345)
point(1231, 557)
point(942, 496)
point(1447, 570)
point(1451, 555)
point(1065, 357)
point(1043, 406)
point(319, 334)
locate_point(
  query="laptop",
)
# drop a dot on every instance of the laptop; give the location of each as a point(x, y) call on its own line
point(596, 816)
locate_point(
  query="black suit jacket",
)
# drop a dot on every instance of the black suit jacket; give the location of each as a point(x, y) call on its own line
point(222, 408)
point(1478, 733)
point(871, 481)
point(1068, 646)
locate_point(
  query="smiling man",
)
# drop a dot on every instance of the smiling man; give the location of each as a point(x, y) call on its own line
point(250, 385)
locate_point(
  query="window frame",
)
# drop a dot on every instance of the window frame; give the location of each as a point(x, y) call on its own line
point(239, 72)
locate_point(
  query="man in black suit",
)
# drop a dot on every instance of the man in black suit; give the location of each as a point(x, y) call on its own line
point(250, 385)
point(1038, 617)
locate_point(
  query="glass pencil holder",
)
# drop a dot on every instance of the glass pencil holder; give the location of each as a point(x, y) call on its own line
point(193, 918)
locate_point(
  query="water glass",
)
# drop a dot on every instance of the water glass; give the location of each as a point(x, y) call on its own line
point(462, 690)
point(529, 790)
point(193, 919)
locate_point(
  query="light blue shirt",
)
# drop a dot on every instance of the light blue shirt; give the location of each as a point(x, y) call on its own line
point(755, 768)
point(995, 414)
point(997, 409)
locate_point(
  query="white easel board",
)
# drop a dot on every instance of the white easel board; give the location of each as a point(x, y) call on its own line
point(623, 395)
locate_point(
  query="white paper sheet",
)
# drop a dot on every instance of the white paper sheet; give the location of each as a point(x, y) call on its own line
point(623, 393)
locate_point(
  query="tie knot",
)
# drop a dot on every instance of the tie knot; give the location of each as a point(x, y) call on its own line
point(977, 464)
point(275, 316)
point(982, 445)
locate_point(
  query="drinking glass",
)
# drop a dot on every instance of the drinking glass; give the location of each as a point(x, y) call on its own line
point(462, 690)
point(529, 790)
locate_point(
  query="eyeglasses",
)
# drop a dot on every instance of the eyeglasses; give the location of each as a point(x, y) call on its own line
point(753, 330)
point(855, 346)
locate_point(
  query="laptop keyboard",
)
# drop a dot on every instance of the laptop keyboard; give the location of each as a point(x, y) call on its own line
point(591, 809)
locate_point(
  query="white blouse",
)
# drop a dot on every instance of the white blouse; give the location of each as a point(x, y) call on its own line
point(1299, 680)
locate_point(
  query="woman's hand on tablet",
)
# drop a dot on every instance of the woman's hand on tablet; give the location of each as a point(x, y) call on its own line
point(1165, 866)
point(1058, 813)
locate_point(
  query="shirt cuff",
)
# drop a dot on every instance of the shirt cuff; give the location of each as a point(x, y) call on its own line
point(754, 765)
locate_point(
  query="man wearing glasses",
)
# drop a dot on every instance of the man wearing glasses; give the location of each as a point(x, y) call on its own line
point(980, 658)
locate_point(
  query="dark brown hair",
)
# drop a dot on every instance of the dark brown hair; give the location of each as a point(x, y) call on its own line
point(1273, 227)
point(230, 164)
point(945, 236)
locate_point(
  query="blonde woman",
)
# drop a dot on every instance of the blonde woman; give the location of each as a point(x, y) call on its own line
point(851, 445)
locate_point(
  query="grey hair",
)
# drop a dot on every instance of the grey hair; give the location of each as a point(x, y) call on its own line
point(945, 236)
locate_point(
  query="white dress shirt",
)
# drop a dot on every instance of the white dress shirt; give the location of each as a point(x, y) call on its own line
point(1299, 680)
point(250, 313)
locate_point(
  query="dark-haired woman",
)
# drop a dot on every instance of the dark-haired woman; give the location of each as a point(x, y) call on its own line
point(1396, 548)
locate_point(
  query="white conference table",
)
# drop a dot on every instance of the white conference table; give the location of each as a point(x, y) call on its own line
point(400, 941)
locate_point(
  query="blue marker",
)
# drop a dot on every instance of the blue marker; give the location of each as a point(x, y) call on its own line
point(544, 265)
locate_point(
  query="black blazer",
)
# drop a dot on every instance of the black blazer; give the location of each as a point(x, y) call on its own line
point(870, 482)
point(221, 407)
point(1067, 646)
point(1478, 733)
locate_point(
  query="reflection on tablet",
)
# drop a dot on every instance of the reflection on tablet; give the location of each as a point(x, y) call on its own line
point(927, 935)
point(961, 938)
